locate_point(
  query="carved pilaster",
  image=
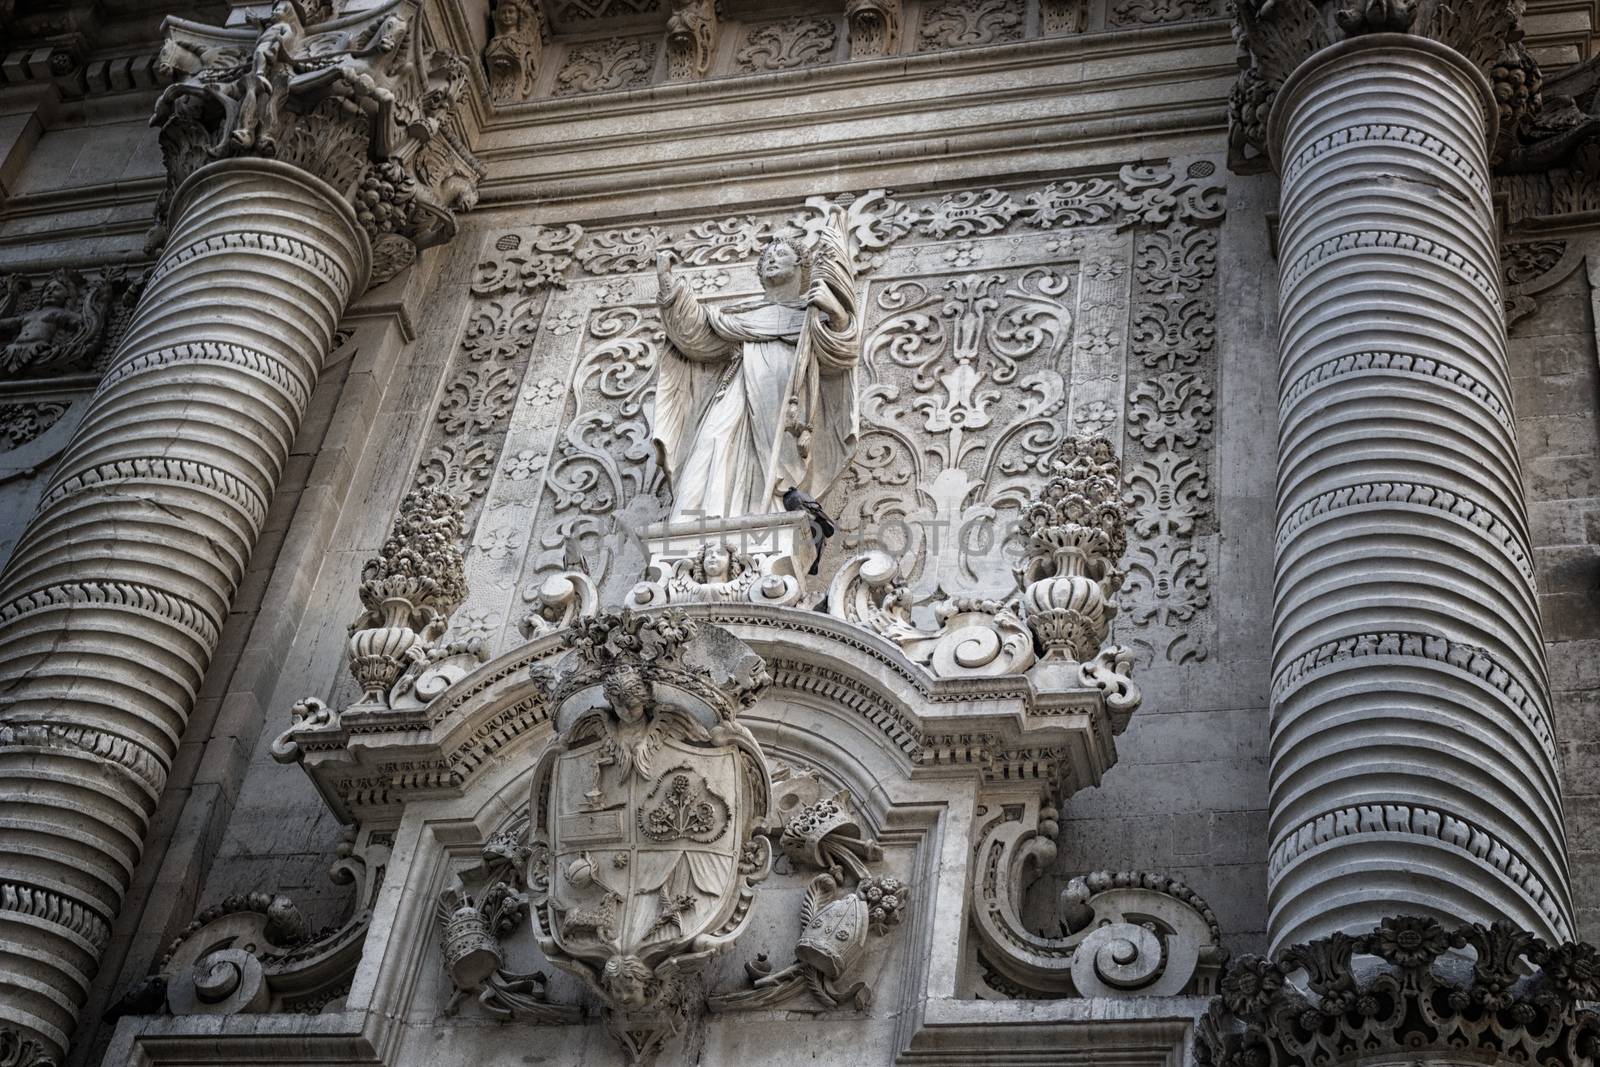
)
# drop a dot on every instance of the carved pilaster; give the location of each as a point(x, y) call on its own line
point(1413, 761)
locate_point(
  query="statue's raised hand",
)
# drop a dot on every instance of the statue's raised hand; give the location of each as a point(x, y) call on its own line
point(664, 279)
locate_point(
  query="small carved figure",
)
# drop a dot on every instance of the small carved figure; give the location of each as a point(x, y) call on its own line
point(65, 328)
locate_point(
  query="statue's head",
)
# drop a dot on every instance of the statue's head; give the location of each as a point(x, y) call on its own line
point(508, 15)
point(59, 290)
point(717, 563)
point(782, 265)
point(627, 690)
point(628, 981)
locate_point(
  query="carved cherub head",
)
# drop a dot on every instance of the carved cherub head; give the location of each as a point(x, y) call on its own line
point(629, 982)
point(627, 690)
point(718, 563)
point(783, 267)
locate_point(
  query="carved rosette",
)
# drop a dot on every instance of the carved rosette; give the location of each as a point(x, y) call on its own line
point(408, 592)
point(1075, 535)
point(1412, 991)
point(355, 101)
point(649, 805)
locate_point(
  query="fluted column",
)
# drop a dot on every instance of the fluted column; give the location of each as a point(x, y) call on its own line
point(1413, 765)
point(113, 601)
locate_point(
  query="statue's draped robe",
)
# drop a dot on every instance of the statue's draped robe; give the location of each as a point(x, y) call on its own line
point(721, 398)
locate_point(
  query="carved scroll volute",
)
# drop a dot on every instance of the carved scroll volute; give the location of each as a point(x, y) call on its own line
point(692, 32)
point(1123, 933)
point(647, 810)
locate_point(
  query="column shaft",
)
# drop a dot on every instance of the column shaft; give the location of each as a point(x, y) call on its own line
point(1413, 765)
point(111, 605)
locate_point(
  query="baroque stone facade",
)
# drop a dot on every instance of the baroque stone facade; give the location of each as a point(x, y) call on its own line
point(893, 531)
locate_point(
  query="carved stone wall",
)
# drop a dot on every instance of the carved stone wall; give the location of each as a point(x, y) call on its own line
point(610, 48)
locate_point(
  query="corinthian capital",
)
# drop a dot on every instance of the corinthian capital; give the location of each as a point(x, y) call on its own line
point(1276, 36)
point(355, 100)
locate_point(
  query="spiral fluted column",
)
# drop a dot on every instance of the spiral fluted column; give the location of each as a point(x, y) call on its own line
point(111, 605)
point(1413, 766)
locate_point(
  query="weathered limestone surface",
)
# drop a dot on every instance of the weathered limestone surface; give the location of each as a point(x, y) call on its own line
point(116, 594)
point(1045, 242)
point(1414, 758)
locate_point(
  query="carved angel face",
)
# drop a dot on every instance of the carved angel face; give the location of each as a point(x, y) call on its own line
point(628, 693)
point(717, 562)
point(628, 981)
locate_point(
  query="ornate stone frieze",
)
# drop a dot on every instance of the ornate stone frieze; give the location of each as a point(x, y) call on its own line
point(1119, 934)
point(1412, 990)
point(793, 42)
point(515, 51)
point(408, 592)
point(605, 66)
point(356, 101)
point(647, 811)
point(967, 23)
point(22, 422)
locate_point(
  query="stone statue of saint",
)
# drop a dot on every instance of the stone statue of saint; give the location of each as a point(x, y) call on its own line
point(761, 397)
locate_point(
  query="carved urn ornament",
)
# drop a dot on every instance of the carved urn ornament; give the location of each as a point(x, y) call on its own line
point(1075, 536)
point(646, 812)
point(409, 591)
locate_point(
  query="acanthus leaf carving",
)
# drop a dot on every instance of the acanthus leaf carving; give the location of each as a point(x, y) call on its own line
point(969, 23)
point(358, 102)
point(605, 66)
point(794, 42)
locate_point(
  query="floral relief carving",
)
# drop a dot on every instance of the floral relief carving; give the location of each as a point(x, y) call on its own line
point(24, 421)
point(528, 262)
point(1159, 12)
point(966, 23)
point(477, 399)
point(604, 66)
point(794, 42)
point(1170, 410)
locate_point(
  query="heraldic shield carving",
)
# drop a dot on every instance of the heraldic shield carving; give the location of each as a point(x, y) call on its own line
point(647, 810)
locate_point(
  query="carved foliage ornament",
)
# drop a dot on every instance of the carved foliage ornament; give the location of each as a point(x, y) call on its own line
point(1276, 36)
point(646, 810)
point(355, 100)
point(409, 591)
point(1397, 993)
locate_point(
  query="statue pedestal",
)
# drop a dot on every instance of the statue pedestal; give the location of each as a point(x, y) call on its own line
point(760, 559)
